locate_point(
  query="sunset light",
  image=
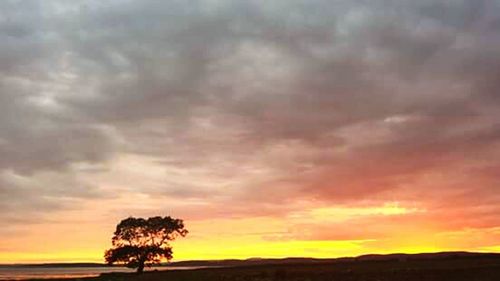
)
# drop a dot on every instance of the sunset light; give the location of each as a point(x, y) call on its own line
point(138, 133)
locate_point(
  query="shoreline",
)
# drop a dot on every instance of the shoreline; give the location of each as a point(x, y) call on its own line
point(474, 266)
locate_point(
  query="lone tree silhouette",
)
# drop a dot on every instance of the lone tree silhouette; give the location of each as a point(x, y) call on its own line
point(139, 242)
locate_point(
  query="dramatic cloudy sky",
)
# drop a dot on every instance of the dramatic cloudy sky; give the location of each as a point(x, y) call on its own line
point(273, 128)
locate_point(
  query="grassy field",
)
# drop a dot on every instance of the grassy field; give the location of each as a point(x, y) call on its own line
point(450, 269)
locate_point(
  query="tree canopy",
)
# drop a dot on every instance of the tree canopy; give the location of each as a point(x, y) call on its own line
point(139, 242)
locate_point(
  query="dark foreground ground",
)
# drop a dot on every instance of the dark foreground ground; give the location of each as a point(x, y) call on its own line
point(446, 269)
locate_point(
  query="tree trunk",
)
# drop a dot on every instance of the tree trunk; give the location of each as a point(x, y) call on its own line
point(140, 268)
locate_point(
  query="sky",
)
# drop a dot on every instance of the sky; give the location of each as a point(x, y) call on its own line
point(273, 128)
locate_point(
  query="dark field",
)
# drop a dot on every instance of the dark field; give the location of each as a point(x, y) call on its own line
point(449, 269)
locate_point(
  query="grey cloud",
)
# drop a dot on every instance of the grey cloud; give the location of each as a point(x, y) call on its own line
point(217, 87)
point(27, 199)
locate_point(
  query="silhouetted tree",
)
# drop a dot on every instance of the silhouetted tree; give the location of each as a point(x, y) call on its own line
point(139, 242)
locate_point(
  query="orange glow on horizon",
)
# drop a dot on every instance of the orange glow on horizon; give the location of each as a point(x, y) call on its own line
point(265, 237)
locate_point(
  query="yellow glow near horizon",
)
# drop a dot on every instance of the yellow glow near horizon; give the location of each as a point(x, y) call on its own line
point(264, 237)
point(345, 213)
point(235, 249)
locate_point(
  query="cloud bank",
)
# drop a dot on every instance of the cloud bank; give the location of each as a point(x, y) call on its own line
point(251, 108)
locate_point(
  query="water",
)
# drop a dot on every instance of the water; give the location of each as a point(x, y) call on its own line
point(31, 272)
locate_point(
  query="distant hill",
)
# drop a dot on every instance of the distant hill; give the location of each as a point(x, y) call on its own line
point(370, 257)
point(290, 261)
point(251, 261)
point(427, 256)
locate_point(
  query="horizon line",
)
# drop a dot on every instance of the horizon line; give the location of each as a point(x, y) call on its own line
point(253, 258)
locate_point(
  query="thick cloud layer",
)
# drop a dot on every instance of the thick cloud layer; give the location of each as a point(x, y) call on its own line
point(251, 107)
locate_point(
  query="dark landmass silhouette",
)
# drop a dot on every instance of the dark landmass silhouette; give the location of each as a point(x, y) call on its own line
point(288, 261)
point(453, 266)
point(302, 260)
